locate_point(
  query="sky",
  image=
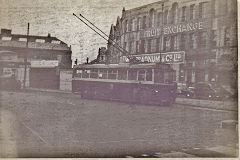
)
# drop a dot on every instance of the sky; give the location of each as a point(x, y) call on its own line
point(56, 17)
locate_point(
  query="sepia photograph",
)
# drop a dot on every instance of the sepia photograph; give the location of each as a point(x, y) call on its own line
point(119, 79)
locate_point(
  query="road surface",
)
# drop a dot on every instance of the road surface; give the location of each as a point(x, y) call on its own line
point(44, 124)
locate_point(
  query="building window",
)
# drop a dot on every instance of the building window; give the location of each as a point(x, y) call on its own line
point(165, 17)
point(23, 39)
point(138, 23)
point(142, 49)
point(130, 47)
point(151, 18)
point(144, 22)
point(154, 45)
point(167, 44)
point(174, 42)
point(130, 25)
point(200, 76)
point(202, 39)
point(192, 11)
point(137, 47)
point(159, 20)
point(183, 41)
point(227, 36)
point(125, 46)
point(174, 12)
point(181, 73)
point(183, 13)
point(149, 46)
point(125, 26)
point(40, 40)
point(202, 10)
point(6, 38)
point(192, 41)
point(158, 45)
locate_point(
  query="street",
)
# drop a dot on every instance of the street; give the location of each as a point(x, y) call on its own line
point(45, 124)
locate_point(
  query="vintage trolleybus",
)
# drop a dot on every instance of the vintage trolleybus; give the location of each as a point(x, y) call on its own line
point(139, 83)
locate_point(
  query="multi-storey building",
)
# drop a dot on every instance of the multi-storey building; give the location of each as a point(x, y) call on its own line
point(198, 37)
point(43, 57)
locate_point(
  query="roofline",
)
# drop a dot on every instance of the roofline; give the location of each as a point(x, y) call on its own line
point(121, 65)
point(161, 1)
point(31, 36)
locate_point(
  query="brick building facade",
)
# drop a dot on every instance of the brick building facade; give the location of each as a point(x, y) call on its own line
point(204, 30)
point(46, 55)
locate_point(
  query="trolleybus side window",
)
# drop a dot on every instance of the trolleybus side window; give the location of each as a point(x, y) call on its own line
point(132, 74)
point(85, 73)
point(112, 74)
point(102, 74)
point(78, 73)
point(166, 77)
point(141, 75)
point(94, 73)
point(158, 76)
point(122, 74)
point(149, 75)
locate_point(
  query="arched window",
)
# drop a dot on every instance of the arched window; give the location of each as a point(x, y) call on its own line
point(174, 12)
point(126, 26)
point(138, 23)
point(151, 17)
point(144, 22)
point(165, 21)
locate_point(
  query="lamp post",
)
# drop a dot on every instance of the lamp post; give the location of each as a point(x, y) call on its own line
point(25, 60)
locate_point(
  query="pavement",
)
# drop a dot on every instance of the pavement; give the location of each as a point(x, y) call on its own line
point(230, 105)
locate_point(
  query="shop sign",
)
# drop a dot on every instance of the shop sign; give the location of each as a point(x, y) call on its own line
point(183, 28)
point(151, 33)
point(168, 58)
point(172, 29)
point(44, 63)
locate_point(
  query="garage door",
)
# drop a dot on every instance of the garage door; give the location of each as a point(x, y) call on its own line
point(44, 78)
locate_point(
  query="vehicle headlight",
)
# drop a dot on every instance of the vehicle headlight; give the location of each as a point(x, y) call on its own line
point(156, 91)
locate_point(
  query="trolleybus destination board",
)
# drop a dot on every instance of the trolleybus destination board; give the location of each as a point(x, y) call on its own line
point(168, 57)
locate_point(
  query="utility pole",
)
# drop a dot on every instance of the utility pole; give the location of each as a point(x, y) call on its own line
point(25, 60)
point(162, 32)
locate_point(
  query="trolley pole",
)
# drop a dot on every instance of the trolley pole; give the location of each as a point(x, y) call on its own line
point(25, 60)
point(96, 29)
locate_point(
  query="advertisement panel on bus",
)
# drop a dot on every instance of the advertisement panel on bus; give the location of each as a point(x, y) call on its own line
point(168, 57)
